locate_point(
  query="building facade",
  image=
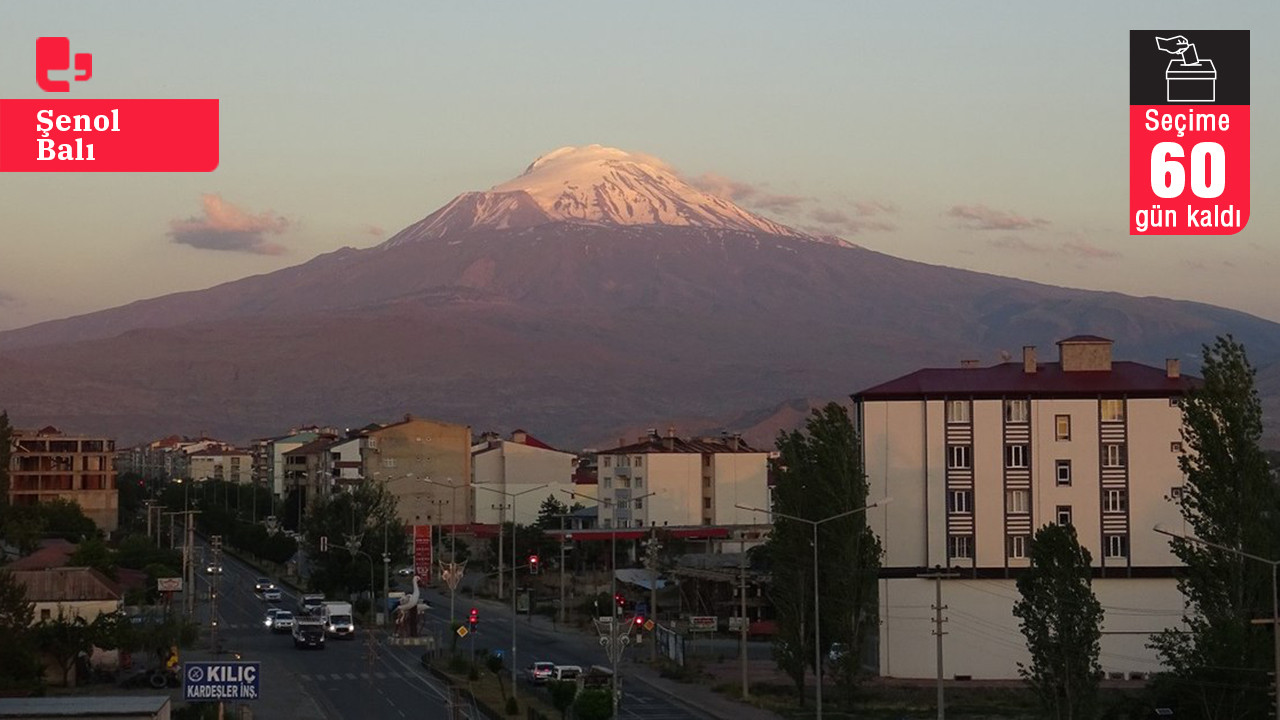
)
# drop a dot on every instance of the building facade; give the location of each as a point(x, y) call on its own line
point(47, 464)
point(700, 481)
point(521, 464)
point(976, 459)
point(403, 455)
point(224, 463)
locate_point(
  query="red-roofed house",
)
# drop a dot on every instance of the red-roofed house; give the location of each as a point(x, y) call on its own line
point(977, 458)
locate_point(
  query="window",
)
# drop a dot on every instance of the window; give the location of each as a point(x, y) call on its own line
point(639, 523)
point(624, 461)
point(958, 457)
point(960, 546)
point(960, 501)
point(706, 461)
point(1116, 546)
point(1064, 515)
point(638, 461)
point(1175, 447)
point(1017, 502)
point(639, 482)
point(388, 462)
point(1015, 456)
point(1017, 411)
point(608, 481)
point(1017, 546)
point(1062, 427)
point(640, 504)
point(957, 411)
point(706, 482)
point(1115, 501)
point(45, 614)
point(608, 461)
point(1064, 472)
point(1112, 410)
point(1175, 402)
point(1113, 455)
point(1175, 493)
point(706, 503)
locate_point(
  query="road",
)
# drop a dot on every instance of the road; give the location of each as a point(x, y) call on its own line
point(539, 642)
point(348, 679)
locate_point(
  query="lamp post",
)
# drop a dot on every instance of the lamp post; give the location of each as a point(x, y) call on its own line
point(1275, 594)
point(817, 625)
point(453, 533)
point(514, 565)
point(614, 641)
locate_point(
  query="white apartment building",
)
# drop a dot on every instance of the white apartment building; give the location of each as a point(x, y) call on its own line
point(977, 458)
point(694, 482)
point(224, 463)
point(517, 466)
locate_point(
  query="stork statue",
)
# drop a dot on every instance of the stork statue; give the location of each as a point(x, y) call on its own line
point(408, 604)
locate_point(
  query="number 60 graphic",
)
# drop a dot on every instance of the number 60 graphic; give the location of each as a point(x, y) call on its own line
point(1168, 178)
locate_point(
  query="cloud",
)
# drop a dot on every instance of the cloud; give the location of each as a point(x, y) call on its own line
point(867, 208)
point(374, 230)
point(839, 221)
point(7, 299)
point(981, 217)
point(227, 227)
point(1080, 247)
point(746, 193)
point(1017, 244)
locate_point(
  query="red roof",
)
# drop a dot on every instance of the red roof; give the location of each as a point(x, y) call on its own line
point(1049, 381)
point(657, 444)
point(52, 554)
point(686, 533)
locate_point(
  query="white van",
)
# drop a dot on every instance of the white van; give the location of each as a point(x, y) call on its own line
point(565, 672)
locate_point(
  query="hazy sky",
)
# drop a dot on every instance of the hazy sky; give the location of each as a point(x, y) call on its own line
point(983, 135)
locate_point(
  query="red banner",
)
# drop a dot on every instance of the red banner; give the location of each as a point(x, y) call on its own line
point(108, 135)
point(422, 553)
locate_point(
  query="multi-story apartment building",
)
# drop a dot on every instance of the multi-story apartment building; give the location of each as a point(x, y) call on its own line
point(694, 482)
point(516, 466)
point(224, 463)
point(403, 455)
point(47, 464)
point(977, 458)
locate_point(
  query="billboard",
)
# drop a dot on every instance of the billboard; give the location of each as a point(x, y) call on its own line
point(233, 680)
point(422, 552)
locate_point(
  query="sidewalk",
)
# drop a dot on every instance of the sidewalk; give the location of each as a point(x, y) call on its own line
point(698, 696)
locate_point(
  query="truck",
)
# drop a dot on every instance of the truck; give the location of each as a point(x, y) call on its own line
point(308, 632)
point(338, 620)
point(310, 603)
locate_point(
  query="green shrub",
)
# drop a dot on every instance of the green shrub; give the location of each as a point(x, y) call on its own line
point(513, 708)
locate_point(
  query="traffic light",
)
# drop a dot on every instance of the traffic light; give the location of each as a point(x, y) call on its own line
point(621, 601)
point(639, 621)
point(475, 618)
point(533, 564)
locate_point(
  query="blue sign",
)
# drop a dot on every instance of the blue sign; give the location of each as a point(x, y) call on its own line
point(230, 680)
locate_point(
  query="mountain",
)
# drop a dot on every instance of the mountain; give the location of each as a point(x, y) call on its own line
point(597, 292)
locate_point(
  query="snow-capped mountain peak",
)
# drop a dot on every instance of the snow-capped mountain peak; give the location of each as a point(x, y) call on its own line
point(594, 185)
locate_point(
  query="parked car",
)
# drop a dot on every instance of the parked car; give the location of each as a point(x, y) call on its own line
point(540, 672)
point(283, 621)
point(271, 595)
point(308, 632)
point(262, 584)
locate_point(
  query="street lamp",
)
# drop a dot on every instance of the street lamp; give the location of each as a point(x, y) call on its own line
point(1275, 595)
point(514, 565)
point(453, 533)
point(817, 625)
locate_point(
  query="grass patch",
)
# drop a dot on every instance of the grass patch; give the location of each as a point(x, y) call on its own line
point(488, 691)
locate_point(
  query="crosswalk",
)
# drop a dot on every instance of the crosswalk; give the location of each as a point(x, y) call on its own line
point(349, 676)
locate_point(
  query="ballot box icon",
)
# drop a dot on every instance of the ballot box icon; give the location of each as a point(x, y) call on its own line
point(1189, 78)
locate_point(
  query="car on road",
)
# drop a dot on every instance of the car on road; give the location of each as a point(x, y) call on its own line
point(271, 595)
point(270, 618)
point(540, 672)
point(262, 584)
point(308, 632)
point(283, 621)
point(566, 672)
point(405, 571)
point(213, 569)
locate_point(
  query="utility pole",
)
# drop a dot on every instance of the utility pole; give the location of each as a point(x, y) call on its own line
point(189, 558)
point(562, 544)
point(937, 576)
point(215, 543)
point(651, 548)
point(742, 629)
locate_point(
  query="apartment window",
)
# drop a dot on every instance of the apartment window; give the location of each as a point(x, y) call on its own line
point(1175, 447)
point(1015, 456)
point(608, 522)
point(706, 482)
point(1112, 410)
point(1062, 427)
point(960, 501)
point(1017, 546)
point(960, 546)
point(388, 462)
point(1063, 468)
point(1017, 411)
point(959, 457)
point(638, 461)
point(1175, 493)
point(608, 461)
point(639, 482)
point(1116, 546)
point(706, 461)
point(957, 411)
point(706, 503)
point(1114, 501)
point(1175, 402)
point(624, 482)
point(1113, 455)
point(608, 481)
point(624, 461)
point(640, 504)
point(1064, 515)
point(1017, 502)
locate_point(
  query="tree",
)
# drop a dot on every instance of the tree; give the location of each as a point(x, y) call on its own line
point(6, 447)
point(66, 519)
point(593, 704)
point(363, 517)
point(820, 475)
point(1062, 621)
point(64, 639)
point(493, 663)
point(94, 553)
point(562, 694)
point(1220, 664)
point(19, 665)
point(549, 513)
